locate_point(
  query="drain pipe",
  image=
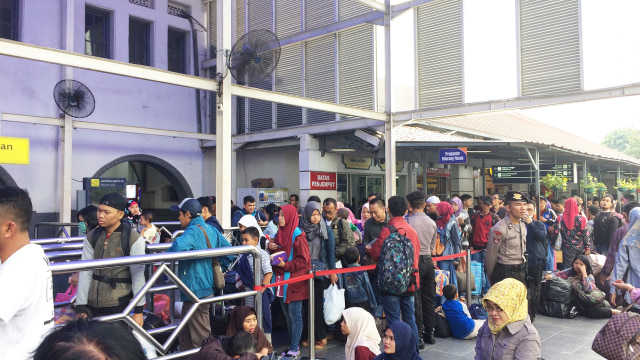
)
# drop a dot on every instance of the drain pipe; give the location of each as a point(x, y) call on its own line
point(196, 68)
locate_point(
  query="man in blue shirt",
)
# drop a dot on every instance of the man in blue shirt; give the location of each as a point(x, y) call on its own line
point(196, 274)
point(249, 209)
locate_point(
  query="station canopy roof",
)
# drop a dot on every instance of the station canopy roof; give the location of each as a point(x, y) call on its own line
point(505, 136)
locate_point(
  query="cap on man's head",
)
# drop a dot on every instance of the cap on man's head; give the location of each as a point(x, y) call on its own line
point(515, 196)
point(188, 204)
point(433, 200)
point(487, 200)
point(416, 195)
point(115, 201)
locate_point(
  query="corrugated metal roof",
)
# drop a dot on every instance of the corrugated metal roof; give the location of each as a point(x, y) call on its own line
point(414, 133)
point(512, 126)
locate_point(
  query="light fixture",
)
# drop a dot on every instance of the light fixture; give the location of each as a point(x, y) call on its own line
point(343, 150)
point(478, 151)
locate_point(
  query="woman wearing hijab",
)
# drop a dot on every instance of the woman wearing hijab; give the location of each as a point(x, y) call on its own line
point(293, 241)
point(363, 339)
point(323, 256)
point(132, 214)
point(449, 234)
point(573, 230)
point(399, 343)
point(248, 221)
point(364, 216)
point(244, 318)
point(508, 333)
point(629, 249)
point(581, 276)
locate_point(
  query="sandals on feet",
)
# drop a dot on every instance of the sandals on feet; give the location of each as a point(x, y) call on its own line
point(320, 344)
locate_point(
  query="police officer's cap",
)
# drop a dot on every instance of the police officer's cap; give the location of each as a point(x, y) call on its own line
point(515, 196)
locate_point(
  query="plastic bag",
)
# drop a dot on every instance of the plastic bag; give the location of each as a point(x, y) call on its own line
point(67, 295)
point(333, 304)
point(149, 350)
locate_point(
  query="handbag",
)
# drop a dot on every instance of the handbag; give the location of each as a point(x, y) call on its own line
point(67, 295)
point(595, 297)
point(619, 337)
point(218, 276)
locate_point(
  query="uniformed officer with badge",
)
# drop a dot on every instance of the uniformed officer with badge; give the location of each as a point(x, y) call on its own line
point(505, 255)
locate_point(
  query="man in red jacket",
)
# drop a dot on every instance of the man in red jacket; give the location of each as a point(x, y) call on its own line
point(394, 305)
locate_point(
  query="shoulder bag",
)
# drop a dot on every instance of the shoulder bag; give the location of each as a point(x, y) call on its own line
point(218, 277)
point(619, 338)
point(593, 298)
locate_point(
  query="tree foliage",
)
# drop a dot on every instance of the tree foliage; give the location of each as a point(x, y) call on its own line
point(626, 140)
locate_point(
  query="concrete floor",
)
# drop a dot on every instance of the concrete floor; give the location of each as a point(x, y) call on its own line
point(561, 339)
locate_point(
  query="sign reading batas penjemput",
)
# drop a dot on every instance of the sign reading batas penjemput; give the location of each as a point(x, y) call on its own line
point(453, 156)
point(322, 181)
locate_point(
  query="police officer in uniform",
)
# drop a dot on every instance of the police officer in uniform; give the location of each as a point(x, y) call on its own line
point(505, 255)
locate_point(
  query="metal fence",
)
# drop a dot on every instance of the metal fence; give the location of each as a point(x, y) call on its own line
point(166, 266)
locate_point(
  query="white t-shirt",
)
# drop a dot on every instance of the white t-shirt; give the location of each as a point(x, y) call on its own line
point(26, 302)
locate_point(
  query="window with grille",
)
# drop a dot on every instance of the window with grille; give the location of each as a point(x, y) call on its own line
point(177, 51)
point(9, 19)
point(96, 33)
point(139, 42)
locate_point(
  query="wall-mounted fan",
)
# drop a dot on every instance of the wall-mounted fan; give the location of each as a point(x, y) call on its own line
point(254, 57)
point(74, 98)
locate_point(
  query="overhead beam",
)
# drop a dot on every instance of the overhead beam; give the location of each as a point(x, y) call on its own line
point(324, 128)
point(517, 103)
point(77, 124)
point(374, 5)
point(281, 98)
point(68, 58)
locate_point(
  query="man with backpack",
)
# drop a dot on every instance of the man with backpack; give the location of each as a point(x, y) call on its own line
point(341, 228)
point(108, 291)
point(249, 209)
point(397, 252)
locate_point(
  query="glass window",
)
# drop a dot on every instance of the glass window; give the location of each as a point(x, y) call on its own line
point(9, 19)
point(139, 42)
point(96, 33)
point(177, 51)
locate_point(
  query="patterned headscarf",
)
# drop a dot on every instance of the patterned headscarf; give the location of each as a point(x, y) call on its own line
point(511, 295)
point(352, 218)
point(445, 210)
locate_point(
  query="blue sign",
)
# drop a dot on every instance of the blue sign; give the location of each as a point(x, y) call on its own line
point(453, 156)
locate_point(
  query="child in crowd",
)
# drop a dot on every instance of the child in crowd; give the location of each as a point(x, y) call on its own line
point(358, 291)
point(458, 317)
point(251, 236)
point(344, 214)
point(149, 231)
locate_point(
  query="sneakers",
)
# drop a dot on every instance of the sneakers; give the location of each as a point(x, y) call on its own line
point(290, 352)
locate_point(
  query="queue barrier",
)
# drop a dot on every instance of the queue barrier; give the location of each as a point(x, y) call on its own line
point(169, 271)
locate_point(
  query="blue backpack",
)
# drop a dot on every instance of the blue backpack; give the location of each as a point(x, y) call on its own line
point(395, 265)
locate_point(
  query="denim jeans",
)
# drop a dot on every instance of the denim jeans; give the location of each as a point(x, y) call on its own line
point(602, 249)
point(550, 264)
point(293, 313)
point(479, 257)
point(373, 279)
point(395, 305)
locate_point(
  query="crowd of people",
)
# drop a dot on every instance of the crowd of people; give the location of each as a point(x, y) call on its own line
point(390, 312)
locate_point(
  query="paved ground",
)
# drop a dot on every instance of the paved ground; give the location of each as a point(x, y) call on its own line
point(561, 339)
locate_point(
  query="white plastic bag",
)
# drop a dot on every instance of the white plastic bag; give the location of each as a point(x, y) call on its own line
point(333, 304)
point(149, 350)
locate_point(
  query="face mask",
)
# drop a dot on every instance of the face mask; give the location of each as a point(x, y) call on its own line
point(82, 227)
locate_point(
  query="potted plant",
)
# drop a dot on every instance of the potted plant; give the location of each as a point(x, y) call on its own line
point(589, 186)
point(553, 183)
point(626, 184)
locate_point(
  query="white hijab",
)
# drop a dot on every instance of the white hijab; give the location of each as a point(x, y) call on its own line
point(362, 332)
point(250, 221)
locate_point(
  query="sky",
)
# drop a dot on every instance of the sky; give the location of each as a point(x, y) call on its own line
point(611, 55)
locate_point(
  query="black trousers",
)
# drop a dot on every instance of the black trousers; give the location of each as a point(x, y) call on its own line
point(534, 284)
point(568, 256)
point(320, 326)
point(425, 296)
point(502, 272)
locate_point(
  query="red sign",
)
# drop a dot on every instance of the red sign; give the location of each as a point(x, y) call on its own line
point(323, 181)
point(439, 172)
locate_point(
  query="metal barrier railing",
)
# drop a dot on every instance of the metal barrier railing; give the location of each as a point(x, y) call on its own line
point(62, 225)
point(57, 240)
point(163, 269)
